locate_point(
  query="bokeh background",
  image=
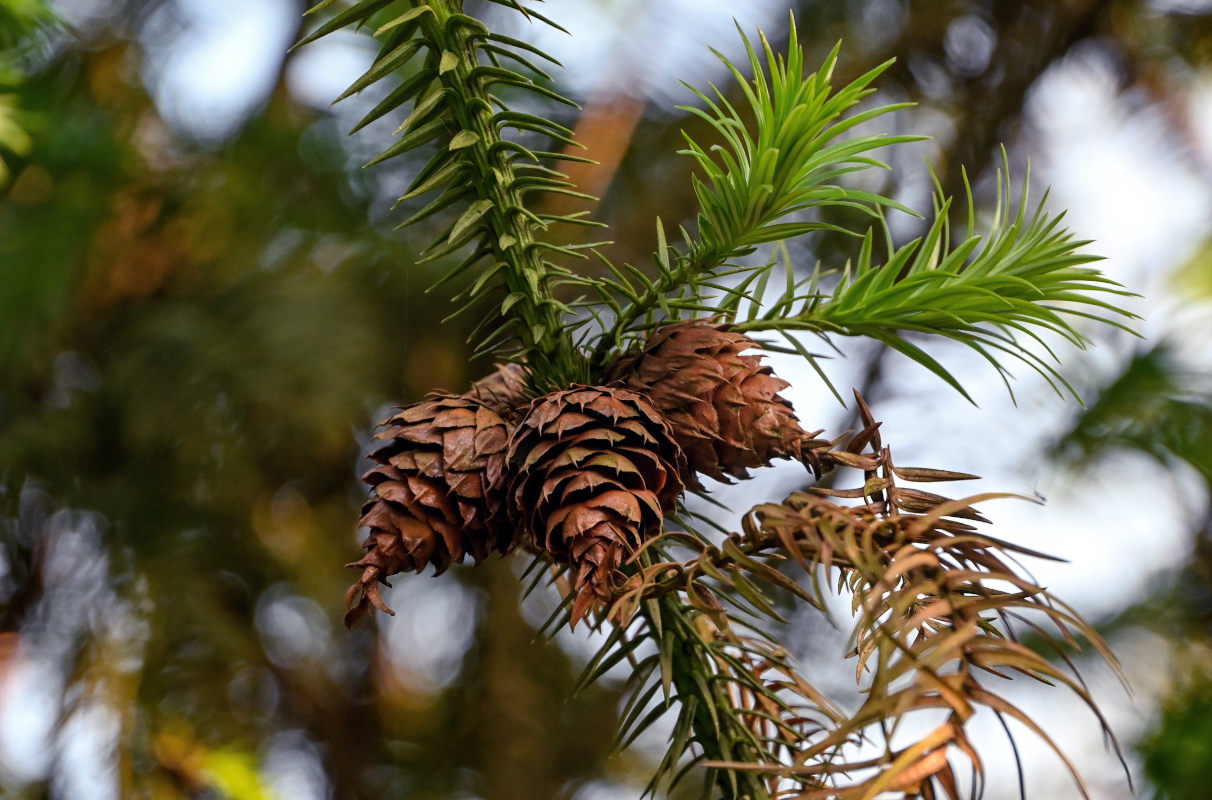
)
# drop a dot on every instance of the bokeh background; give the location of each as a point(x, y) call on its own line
point(204, 309)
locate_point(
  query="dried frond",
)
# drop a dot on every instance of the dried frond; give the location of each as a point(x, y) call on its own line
point(938, 607)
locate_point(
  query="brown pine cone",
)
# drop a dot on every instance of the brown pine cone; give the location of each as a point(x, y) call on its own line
point(437, 494)
point(595, 470)
point(724, 408)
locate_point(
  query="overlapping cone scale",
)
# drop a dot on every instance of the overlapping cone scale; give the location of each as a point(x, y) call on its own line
point(594, 471)
point(437, 494)
point(504, 391)
point(724, 407)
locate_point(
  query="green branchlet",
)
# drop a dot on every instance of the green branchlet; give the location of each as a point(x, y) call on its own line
point(782, 157)
point(484, 180)
point(1024, 277)
point(791, 163)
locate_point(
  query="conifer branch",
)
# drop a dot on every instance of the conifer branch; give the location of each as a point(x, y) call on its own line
point(995, 293)
point(792, 161)
point(759, 185)
point(591, 475)
point(1025, 277)
point(699, 682)
point(478, 169)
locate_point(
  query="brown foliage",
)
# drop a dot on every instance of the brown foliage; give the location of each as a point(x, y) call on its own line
point(938, 604)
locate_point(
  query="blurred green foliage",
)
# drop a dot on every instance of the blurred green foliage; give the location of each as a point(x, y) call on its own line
point(20, 21)
point(1158, 407)
point(1178, 752)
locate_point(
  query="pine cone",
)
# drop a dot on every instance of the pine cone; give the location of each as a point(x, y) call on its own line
point(724, 408)
point(503, 391)
point(595, 469)
point(437, 494)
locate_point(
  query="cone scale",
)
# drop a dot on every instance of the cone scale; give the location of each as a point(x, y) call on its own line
point(504, 391)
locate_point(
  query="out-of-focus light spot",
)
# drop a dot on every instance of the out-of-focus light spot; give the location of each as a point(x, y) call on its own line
point(83, 14)
point(88, 767)
point(931, 77)
point(322, 70)
point(254, 694)
point(1200, 110)
point(431, 632)
point(212, 62)
point(1181, 6)
point(72, 374)
point(284, 244)
point(293, 629)
point(883, 21)
point(601, 790)
point(285, 523)
point(1121, 173)
point(333, 250)
point(293, 768)
point(644, 48)
point(29, 705)
point(969, 44)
